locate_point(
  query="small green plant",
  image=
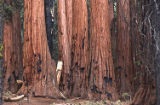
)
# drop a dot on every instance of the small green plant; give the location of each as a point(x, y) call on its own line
point(138, 63)
point(137, 75)
point(126, 96)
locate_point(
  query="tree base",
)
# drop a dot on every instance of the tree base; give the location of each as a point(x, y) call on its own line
point(144, 96)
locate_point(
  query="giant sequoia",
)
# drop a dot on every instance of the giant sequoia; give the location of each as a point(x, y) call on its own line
point(63, 42)
point(102, 76)
point(80, 51)
point(39, 69)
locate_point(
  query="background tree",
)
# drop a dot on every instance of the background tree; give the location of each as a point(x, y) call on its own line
point(124, 64)
point(102, 80)
point(12, 46)
point(1, 41)
point(156, 25)
point(49, 18)
point(144, 52)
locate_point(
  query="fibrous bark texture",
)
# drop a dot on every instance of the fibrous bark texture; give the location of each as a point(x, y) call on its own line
point(63, 43)
point(39, 69)
point(80, 51)
point(12, 52)
point(124, 64)
point(102, 80)
point(68, 6)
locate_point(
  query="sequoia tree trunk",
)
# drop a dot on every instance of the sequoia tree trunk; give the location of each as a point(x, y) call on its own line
point(63, 43)
point(124, 64)
point(12, 52)
point(39, 69)
point(80, 51)
point(65, 83)
point(69, 20)
point(102, 80)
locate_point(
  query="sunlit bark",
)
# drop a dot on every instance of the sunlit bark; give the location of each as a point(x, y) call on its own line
point(102, 81)
point(39, 69)
point(80, 51)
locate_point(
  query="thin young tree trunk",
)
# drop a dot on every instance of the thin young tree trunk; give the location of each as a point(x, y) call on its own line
point(156, 23)
point(80, 51)
point(1, 58)
point(135, 42)
point(157, 57)
point(102, 81)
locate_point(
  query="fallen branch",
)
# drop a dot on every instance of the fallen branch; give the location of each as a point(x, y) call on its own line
point(11, 99)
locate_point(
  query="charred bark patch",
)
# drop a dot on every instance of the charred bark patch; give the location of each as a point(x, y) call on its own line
point(108, 80)
point(82, 69)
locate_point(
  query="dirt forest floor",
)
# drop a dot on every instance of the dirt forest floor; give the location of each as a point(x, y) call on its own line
point(76, 101)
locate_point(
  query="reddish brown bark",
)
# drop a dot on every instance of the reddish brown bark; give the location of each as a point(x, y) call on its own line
point(67, 77)
point(145, 95)
point(124, 64)
point(80, 51)
point(102, 81)
point(68, 4)
point(39, 69)
point(64, 35)
point(12, 52)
